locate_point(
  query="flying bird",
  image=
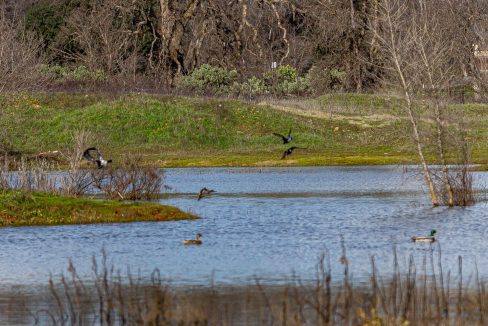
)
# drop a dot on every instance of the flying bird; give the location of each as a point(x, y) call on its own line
point(92, 154)
point(289, 151)
point(286, 139)
point(205, 192)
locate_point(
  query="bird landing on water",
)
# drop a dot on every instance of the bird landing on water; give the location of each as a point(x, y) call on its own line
point(205, 192)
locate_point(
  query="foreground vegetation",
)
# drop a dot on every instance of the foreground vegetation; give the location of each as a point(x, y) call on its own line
point(20, 208)
point(338, 129)
point(410, 295)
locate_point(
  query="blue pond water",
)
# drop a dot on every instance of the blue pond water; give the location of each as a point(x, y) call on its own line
point(261, 222)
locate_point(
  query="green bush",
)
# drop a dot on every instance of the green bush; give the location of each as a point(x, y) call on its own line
point(79, 73)
point(209, 79)
point(284, 80)
point(338, 77)
point(250, 88)
point(286, 73)
point(280, 75)
point(299, 86)
point(46, 18)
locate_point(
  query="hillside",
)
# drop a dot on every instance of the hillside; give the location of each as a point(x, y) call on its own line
point(338, 129)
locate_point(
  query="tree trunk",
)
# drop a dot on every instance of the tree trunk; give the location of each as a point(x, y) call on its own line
point(416, 135)
point(429, 69)
point(425, 168)
point(172, 32)
point(441, 150)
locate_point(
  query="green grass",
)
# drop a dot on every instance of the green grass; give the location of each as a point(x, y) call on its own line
point(336, 129)
point(19, 208)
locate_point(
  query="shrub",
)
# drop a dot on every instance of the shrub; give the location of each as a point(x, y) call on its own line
point(286, 73)
point(280, 75)
point(284, 80)
point(208, 79)
point(79, 73)
point(219, 81)
point(131, 181)
point(299, 86)
point(83, 73)
point(77, 180)
point(47, 19)
point(250, 88)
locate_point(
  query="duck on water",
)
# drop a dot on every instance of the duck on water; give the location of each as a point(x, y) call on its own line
point(196, 241)
point(429, 238)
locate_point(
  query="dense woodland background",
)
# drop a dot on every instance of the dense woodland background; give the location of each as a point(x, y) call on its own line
point(227, 47)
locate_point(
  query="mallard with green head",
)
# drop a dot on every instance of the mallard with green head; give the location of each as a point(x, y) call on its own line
point(429, 238)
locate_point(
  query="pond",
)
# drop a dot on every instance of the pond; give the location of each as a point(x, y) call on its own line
point(265, 222)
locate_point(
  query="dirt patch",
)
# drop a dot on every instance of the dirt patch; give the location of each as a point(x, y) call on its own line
point(366, 121)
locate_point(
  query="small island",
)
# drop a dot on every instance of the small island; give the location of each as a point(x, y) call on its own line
point(19, 208)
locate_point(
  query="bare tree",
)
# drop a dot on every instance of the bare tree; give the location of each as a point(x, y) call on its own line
point(391, 30)
point(479, 32)
point(419, 41)
point(435, 71)
point(104, 40)
point(20, 54)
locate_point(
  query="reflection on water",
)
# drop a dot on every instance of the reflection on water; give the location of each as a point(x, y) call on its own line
point(267, 222)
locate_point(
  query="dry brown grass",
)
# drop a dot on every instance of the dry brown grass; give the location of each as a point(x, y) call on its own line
point(410, 295)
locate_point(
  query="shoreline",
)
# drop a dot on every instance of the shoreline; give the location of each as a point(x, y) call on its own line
point(300, 162)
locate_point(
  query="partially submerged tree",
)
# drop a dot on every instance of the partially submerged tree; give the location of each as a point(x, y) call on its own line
point(417, 43)
point(390, 27)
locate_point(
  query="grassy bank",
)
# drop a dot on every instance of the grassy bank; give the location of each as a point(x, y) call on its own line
point(21, 209)
point(340, 129)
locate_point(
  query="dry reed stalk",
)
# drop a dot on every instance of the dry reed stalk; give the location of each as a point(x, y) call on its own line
point(409, 297)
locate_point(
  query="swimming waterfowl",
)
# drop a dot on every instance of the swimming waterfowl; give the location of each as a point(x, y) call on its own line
point(204, 192)
point(286, 139)
point(92, 154)
point(196, 241)
point(429, 238)
point(289, 151)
